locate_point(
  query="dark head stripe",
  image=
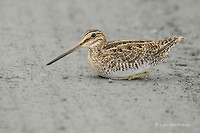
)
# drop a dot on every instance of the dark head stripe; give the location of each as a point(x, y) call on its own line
point(90, 31)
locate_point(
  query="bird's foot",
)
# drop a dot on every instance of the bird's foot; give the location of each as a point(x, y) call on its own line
point(138, 75)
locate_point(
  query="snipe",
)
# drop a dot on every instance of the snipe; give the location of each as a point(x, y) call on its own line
point(123, 59)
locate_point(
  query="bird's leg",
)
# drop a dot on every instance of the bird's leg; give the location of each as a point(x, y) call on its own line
point(132, 77)
point(138, 75)
point(122, 78)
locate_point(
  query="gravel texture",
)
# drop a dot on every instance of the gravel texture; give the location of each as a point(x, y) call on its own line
point(68, 97)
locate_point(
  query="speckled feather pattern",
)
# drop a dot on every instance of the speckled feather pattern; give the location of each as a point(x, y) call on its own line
point(111, 57)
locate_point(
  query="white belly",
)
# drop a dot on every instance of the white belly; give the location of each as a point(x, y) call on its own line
point(127, 73)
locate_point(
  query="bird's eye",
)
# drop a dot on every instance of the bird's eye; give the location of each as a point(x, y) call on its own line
point(93, 35)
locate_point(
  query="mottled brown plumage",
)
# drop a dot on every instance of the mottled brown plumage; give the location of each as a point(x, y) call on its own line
point(125, 58)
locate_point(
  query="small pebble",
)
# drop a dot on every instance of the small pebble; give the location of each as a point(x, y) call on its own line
point(110, 81)
point(64, 99)
point(65, 77)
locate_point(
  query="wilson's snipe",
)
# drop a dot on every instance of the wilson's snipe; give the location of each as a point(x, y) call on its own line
point(124, 59)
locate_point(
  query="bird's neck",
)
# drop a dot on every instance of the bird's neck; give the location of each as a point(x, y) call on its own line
point(98, 46)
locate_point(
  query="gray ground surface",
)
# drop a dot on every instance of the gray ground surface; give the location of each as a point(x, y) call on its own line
point(68, 96)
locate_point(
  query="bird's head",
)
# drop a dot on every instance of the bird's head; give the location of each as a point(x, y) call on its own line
point(92, 38)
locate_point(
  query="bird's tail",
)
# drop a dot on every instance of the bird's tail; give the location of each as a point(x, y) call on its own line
point(170, 42)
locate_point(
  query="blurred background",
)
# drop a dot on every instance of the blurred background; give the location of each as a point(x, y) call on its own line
point(68, 96)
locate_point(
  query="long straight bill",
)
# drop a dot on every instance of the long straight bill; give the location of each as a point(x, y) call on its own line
point(66, 53)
